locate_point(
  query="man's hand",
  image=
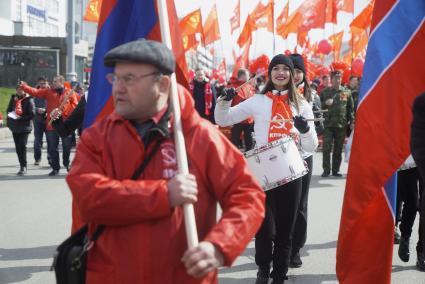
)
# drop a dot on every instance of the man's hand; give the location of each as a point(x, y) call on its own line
point(202, 259)
point(182, 189)
point(329, 102)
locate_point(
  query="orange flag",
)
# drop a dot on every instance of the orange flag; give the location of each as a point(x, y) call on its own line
point(302, 38)
point(211, 29)
point(93, 11)
point(336, 40)
point(282, 18)
point(246, 34)
point(290, 26)
point(236, 19)
point(262, 16)
point(191, 23)
point(333, 6)
point(242, 61)
point(363, 20)
point(360, 40)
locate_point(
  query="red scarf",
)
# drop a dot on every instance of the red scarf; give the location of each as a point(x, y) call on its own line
point(18, 106)
point(207, 94)
point(280, 110)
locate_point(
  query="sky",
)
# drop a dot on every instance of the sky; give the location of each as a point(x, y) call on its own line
point(262, 39)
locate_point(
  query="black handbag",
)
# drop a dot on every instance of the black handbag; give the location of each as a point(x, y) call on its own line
point(69, 261)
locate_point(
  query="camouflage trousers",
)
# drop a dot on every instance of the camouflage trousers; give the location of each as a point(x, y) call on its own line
point(333, 136)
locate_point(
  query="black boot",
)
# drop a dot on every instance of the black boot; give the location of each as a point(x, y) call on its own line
point(403, 249)
point(295, 261)
point(22, 171)
point(420, 263)
point(263, 276)
point(279, 279)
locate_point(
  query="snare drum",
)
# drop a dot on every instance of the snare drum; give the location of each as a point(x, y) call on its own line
point(276, 163)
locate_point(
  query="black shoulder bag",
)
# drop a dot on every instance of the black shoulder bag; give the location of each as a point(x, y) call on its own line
point(69, 261)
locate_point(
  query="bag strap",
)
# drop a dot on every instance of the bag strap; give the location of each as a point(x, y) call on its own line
point(135, 175)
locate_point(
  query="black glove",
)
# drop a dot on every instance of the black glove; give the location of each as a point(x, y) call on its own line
point(228, 94)
point(301, 124)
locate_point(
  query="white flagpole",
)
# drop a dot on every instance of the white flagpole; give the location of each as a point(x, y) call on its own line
point(189, 212)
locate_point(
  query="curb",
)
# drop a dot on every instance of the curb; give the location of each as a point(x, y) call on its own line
point(5, 133)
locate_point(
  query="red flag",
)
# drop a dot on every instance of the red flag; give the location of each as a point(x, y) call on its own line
point(363, 20)
point(93, 11)
point(211, 29)
point(341, 5)
point(235, 21)
point(290, 26)
point(336, 40)
point(282, 18)
point(302, 38)
point(360, 40)
point(313, 14)
point(191, 23)
point(381, 141)
point(262, 16)
point(246, 35)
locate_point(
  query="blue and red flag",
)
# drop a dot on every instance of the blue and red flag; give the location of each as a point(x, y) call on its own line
point(393, 76)
point(122, 21)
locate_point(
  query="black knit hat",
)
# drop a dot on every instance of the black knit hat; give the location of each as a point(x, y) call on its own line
point(298, 61)
point(143, 51)
point(281, 59)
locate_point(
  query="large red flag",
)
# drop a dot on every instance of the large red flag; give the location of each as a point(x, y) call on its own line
point(282, 19)
point(290, 26)
point(191, 23)
point(235, 21)
point(341, 5)
point(381, 140)
point(189, 42)
point(93, 11)
point(246, 35)
point(313, 15)
point(211, 29)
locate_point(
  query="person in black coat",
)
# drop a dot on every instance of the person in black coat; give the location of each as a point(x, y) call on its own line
point(65, 127)
point(417, 147)
point(20, 113)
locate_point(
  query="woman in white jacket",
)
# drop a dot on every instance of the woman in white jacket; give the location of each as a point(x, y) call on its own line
point(278, 100)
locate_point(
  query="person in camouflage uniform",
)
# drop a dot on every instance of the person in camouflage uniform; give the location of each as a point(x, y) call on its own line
point(338, 102)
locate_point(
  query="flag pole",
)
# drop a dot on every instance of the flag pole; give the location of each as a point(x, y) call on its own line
point(189, 212)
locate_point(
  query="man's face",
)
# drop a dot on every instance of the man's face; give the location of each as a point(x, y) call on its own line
point(336, 81)
point(136, 97)
point(20, 92)
point(43, 84)
point(199, 75)
point(354, 83)
point(325, 81)
point(243, 78)
point(57, 83)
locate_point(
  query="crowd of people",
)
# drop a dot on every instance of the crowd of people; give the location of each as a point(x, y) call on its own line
point(143, 213)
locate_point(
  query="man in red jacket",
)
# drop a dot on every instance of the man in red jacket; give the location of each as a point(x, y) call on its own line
point(55, 96)
point(144, 239)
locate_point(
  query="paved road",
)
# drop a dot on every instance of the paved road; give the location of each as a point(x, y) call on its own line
point(35, 217)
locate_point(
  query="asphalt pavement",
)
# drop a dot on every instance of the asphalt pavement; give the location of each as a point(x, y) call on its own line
point(36, 216)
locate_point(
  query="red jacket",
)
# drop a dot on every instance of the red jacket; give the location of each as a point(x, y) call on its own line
point(53, 101)
point(144, 238)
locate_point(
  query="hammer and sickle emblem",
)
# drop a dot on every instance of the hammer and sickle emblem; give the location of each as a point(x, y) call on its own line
point(278, 124)
point(169, 154)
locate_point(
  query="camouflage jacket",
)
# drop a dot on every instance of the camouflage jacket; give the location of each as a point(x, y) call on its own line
point(341, 111)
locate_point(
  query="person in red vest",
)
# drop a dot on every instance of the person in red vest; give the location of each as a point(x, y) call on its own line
point(57, 96)
point(245, 126)
point(203, 95)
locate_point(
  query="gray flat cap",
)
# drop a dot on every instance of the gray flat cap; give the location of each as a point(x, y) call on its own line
point(143, 51)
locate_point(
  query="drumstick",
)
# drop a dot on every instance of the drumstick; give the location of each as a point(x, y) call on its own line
point(250, 80)
point(290, 120)
point(320, 111)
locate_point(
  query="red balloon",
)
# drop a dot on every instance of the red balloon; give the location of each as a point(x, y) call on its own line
point(324, 47)
point(357, 66)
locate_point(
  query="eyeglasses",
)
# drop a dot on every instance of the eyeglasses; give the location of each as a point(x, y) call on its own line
point(128, 80)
